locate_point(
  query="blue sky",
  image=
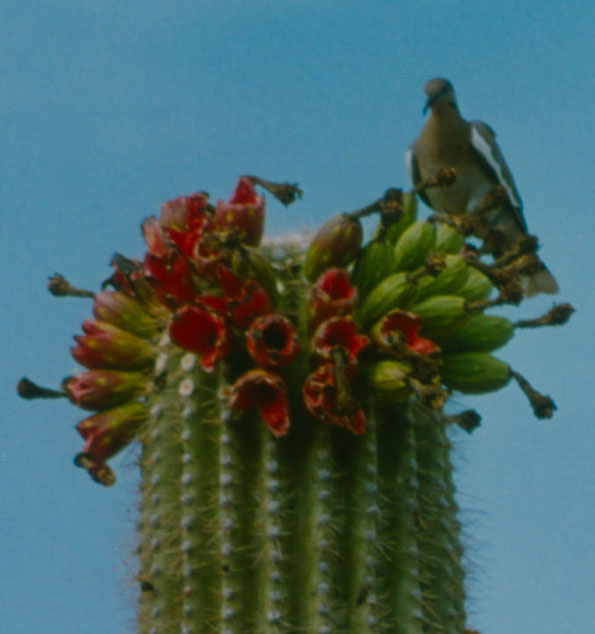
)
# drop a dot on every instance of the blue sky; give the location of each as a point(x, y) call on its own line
point(109, 108)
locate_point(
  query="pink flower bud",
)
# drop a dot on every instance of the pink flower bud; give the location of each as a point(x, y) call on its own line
point(107, 433)
point(106, 346)
point(101, 389)
point(125, 312)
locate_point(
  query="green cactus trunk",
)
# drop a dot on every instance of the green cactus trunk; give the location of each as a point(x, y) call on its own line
point(321, 531)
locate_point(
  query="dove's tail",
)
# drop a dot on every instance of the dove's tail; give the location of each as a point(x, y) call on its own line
point(541, 282)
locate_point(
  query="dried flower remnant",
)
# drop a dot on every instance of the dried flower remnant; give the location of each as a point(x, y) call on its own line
point(332, 295)
point(328, 398)
point(266, 391)
point(272, 341)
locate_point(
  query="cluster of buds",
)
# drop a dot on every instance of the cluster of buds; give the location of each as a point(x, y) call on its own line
point(400, 317)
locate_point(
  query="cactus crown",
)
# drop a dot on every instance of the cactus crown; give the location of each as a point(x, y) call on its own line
point(289, 403)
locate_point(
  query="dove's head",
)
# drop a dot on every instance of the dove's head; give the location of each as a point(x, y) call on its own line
point(440, 93)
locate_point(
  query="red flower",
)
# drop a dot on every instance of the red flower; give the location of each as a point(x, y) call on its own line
point(106, 346)
point(244, 212)
point(184, 221)
point(202, 331)
point(154, 238)
point(173, 277)
point(338, 333)
point(332, 295)
point(100, 389)
point(272, 340)
point(246, 300)
point(266, 391)
point(105, 434)
point(327, 397)
point(400, 327)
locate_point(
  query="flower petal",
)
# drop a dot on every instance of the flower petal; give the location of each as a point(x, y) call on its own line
point(266, 391)
point(201, 331)
point(272, 340)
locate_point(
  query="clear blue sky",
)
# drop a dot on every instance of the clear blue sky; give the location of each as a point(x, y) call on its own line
point(109, 108)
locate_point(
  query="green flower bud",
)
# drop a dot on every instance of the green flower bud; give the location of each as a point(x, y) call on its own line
point(474, 372)
point(414, 245)
point(440, 314)
point(374, 262)
point(336, 244)
point(448, 239)
point(447, 282)
point(252, 262)
point(394, 231)
point(477, 288)
point(126, 313)
point(393, 292)
point(480, 333)
point(388, 379)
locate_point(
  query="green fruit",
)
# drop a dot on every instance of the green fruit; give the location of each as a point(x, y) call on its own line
point(414, 245)
point(409, 216)
point(259, 266)
point(477, 288)
point(448, 239)
point(440, 314)
point(480, 333)
point(388, 380)
point(393, 292)
point(336, 243)
point(374, 262)
point(447, 282)
point(474, 372)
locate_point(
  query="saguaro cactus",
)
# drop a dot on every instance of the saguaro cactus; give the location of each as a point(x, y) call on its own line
point(296, 472)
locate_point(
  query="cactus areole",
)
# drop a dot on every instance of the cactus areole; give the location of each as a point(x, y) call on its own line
point(288, 398)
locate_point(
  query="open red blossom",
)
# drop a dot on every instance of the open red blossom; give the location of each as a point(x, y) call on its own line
point(173, 277)
point(272, 340)
point(398, 327)
point(266, 391)
point(246, 300)
point(332, 295)
point(107, 433)
point(184, 220)
point(154, 238)
point(338, 333)
point(327, 399)
point(244, 212)
point(201, 331)
point(106, 346)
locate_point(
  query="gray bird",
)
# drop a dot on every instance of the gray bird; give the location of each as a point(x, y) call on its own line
point(448, 140)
